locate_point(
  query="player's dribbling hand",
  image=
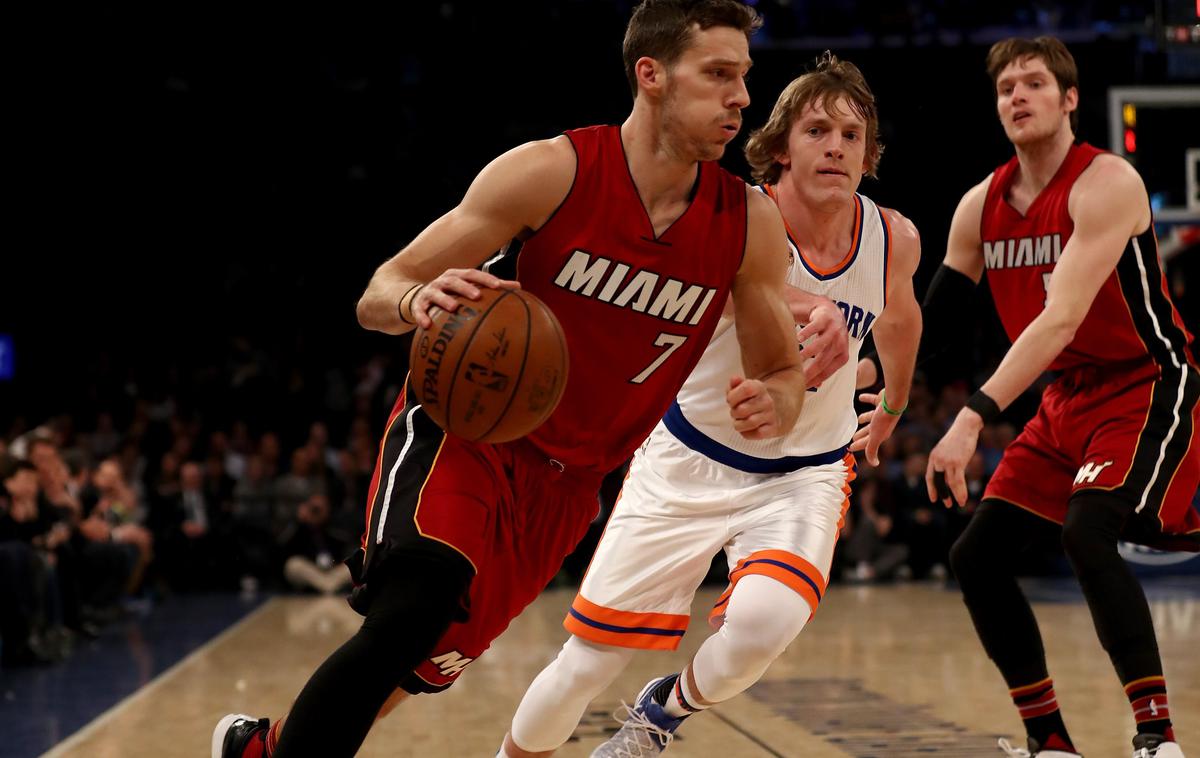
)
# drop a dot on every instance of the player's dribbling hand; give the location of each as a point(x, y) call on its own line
point(876, 427)
point(441, 292)
point(828, 342)
point(752, 409)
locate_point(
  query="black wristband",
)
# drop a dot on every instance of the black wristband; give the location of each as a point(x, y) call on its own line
point(410, 295)
point(984, 406)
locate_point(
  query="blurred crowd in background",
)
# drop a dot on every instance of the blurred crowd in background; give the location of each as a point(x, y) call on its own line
point(262, 487)
point(191, 406)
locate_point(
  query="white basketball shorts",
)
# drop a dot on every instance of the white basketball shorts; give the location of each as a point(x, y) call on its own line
point(676, 510)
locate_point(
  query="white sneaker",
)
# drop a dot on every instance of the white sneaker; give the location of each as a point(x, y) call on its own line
point(647, 730)
point(1034, 751)
point(1155, 746)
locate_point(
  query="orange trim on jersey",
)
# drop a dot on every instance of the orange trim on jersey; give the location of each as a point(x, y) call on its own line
point(417, 510)
point(890, 246)
point(787, 568)
point(854, 237)
point(851, 475)
point(1028, 688)
point(609, 626)
point(397, 411)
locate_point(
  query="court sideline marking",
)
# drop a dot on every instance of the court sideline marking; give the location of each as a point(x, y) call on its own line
point(95, 724)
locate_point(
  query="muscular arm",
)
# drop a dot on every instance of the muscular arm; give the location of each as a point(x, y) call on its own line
point(514, 194)
point(897, 336)
point(765, 329)
point(898, 330)
point(1108, 205)
point(964, 247)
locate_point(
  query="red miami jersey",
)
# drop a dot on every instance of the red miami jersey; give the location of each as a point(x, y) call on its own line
point(638, 310)
point(1132, 316)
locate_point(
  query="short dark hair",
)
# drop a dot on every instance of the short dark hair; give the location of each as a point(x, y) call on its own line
point(1051, 50)
point(662, 29)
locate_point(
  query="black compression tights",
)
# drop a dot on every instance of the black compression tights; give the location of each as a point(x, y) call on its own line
point(983, 559)
point(335, 710)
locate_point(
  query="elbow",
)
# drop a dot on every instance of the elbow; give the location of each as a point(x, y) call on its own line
point(1062, 329)
point(363, 312)
point(1066, 334)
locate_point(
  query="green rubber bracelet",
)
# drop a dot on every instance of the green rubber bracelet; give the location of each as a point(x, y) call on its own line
point(883, 404)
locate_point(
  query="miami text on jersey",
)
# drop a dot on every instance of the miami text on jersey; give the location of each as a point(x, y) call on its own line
point(644, 292)
point(1026, 251)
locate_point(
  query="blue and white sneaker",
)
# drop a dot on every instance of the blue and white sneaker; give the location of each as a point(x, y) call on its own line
point(647, 729)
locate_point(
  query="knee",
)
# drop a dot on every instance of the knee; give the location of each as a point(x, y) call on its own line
point(962, 559)
point(1091, 527)
point(986, 543)
point(587, 666)
point(760, 632)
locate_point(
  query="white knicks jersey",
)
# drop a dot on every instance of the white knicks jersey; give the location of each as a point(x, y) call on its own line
point(858, 284)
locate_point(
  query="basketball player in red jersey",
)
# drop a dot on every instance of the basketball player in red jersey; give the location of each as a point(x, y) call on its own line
point(1065, 234)
point(634, 237)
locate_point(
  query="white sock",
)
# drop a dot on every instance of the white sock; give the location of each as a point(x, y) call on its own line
point(763, 617)
point(557, 698)
point(683, 700)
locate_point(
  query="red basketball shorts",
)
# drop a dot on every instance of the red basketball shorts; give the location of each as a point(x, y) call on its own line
point(1131, 430)
point(508, 510)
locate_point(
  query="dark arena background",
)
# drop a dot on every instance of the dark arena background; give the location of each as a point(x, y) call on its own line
point(199, 195)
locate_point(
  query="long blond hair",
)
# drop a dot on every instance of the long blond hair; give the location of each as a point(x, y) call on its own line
point(831, 80)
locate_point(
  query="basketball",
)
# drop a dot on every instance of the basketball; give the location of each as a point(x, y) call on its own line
point(494, 369)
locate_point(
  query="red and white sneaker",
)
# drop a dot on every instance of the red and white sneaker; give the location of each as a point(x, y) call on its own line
point(240, 736)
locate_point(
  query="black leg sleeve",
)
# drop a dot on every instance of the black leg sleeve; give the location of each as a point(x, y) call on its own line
point(984, 561)
point(414, 604)
point(1118, 605)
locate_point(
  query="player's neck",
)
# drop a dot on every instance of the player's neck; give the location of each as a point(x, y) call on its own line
point(663, 177)
point(1041, 160)
point(823, 232)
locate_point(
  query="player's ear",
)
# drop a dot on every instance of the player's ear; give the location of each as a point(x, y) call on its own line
point(1071, 99)
point(651, 75)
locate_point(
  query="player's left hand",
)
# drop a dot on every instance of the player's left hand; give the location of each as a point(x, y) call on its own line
point(752, 409)
point(876, 427)
point(824, 340)
point(949, 459)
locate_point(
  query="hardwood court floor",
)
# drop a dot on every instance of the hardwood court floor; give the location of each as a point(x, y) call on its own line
point(880, 671)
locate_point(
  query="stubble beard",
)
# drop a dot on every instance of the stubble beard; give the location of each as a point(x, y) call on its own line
point(676, 140)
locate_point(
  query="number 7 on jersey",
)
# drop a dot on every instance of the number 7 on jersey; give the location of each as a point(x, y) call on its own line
point(671, 342)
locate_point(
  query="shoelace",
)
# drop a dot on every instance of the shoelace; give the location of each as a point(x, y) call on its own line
point(642, 725)
point(1015, 752)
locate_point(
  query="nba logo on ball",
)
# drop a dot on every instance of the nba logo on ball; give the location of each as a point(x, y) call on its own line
point(494, 369)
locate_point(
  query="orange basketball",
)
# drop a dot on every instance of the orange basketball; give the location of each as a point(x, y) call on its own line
point(494, 369)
